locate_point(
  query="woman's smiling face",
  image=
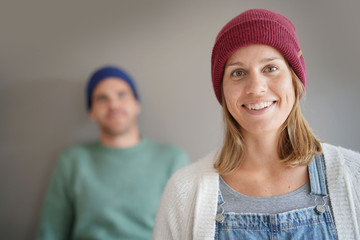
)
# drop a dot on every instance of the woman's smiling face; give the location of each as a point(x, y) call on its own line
point(258, 89)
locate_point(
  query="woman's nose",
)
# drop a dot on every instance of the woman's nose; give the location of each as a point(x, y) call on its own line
point(256, 84)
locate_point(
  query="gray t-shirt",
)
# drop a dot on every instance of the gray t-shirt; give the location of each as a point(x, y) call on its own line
point(239, 203)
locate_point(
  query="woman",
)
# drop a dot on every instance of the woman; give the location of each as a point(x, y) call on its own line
point(272, 178)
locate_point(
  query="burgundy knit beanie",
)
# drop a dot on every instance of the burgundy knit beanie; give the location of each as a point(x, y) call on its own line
point(256, 26)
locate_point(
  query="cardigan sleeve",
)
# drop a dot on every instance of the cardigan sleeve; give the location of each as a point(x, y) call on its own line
point(352, 180)
point(174, 219)
point(188, 205)
point(343, 176)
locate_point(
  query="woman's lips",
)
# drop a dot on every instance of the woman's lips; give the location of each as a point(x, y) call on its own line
point(259, 105)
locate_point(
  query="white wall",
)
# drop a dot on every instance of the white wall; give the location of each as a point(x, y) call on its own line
point(48, 49)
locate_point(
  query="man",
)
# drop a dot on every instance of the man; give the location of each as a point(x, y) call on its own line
point(109, 189)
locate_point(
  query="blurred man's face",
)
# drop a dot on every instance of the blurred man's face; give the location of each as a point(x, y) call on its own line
point(114, 107)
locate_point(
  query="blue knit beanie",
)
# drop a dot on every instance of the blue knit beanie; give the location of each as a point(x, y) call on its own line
point(103, 73)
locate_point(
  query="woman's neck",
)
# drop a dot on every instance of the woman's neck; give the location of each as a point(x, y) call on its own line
point(262, 174)
point(261, 150)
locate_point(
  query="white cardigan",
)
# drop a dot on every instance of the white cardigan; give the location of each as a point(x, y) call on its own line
point(189, 203)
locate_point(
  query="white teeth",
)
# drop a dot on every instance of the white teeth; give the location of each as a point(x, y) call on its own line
point(258, 106)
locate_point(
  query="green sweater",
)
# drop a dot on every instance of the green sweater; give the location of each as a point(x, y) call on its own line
point(98, 192)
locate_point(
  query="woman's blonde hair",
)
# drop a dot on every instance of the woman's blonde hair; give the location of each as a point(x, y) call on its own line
point(297, 143)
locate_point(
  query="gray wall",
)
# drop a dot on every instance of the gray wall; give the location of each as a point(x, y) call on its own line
point(49, 48)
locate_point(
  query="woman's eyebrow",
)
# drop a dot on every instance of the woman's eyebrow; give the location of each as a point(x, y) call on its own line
point(270, 59)
point(235, 64)
point(265, 60)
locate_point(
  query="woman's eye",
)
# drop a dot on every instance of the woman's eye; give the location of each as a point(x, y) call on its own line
point(271, 69)
point(238, 73)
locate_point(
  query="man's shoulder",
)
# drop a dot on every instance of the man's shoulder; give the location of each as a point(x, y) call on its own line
point(79, 150)
point(163, 148)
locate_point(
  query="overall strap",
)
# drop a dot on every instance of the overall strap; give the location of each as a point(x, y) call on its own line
point(220, 198)
point(317, 175)
point(220, 210)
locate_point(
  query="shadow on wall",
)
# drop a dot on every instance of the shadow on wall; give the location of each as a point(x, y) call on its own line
point(38, 120)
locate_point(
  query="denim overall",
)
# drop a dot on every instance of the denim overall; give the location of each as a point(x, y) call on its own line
point(309, 223)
